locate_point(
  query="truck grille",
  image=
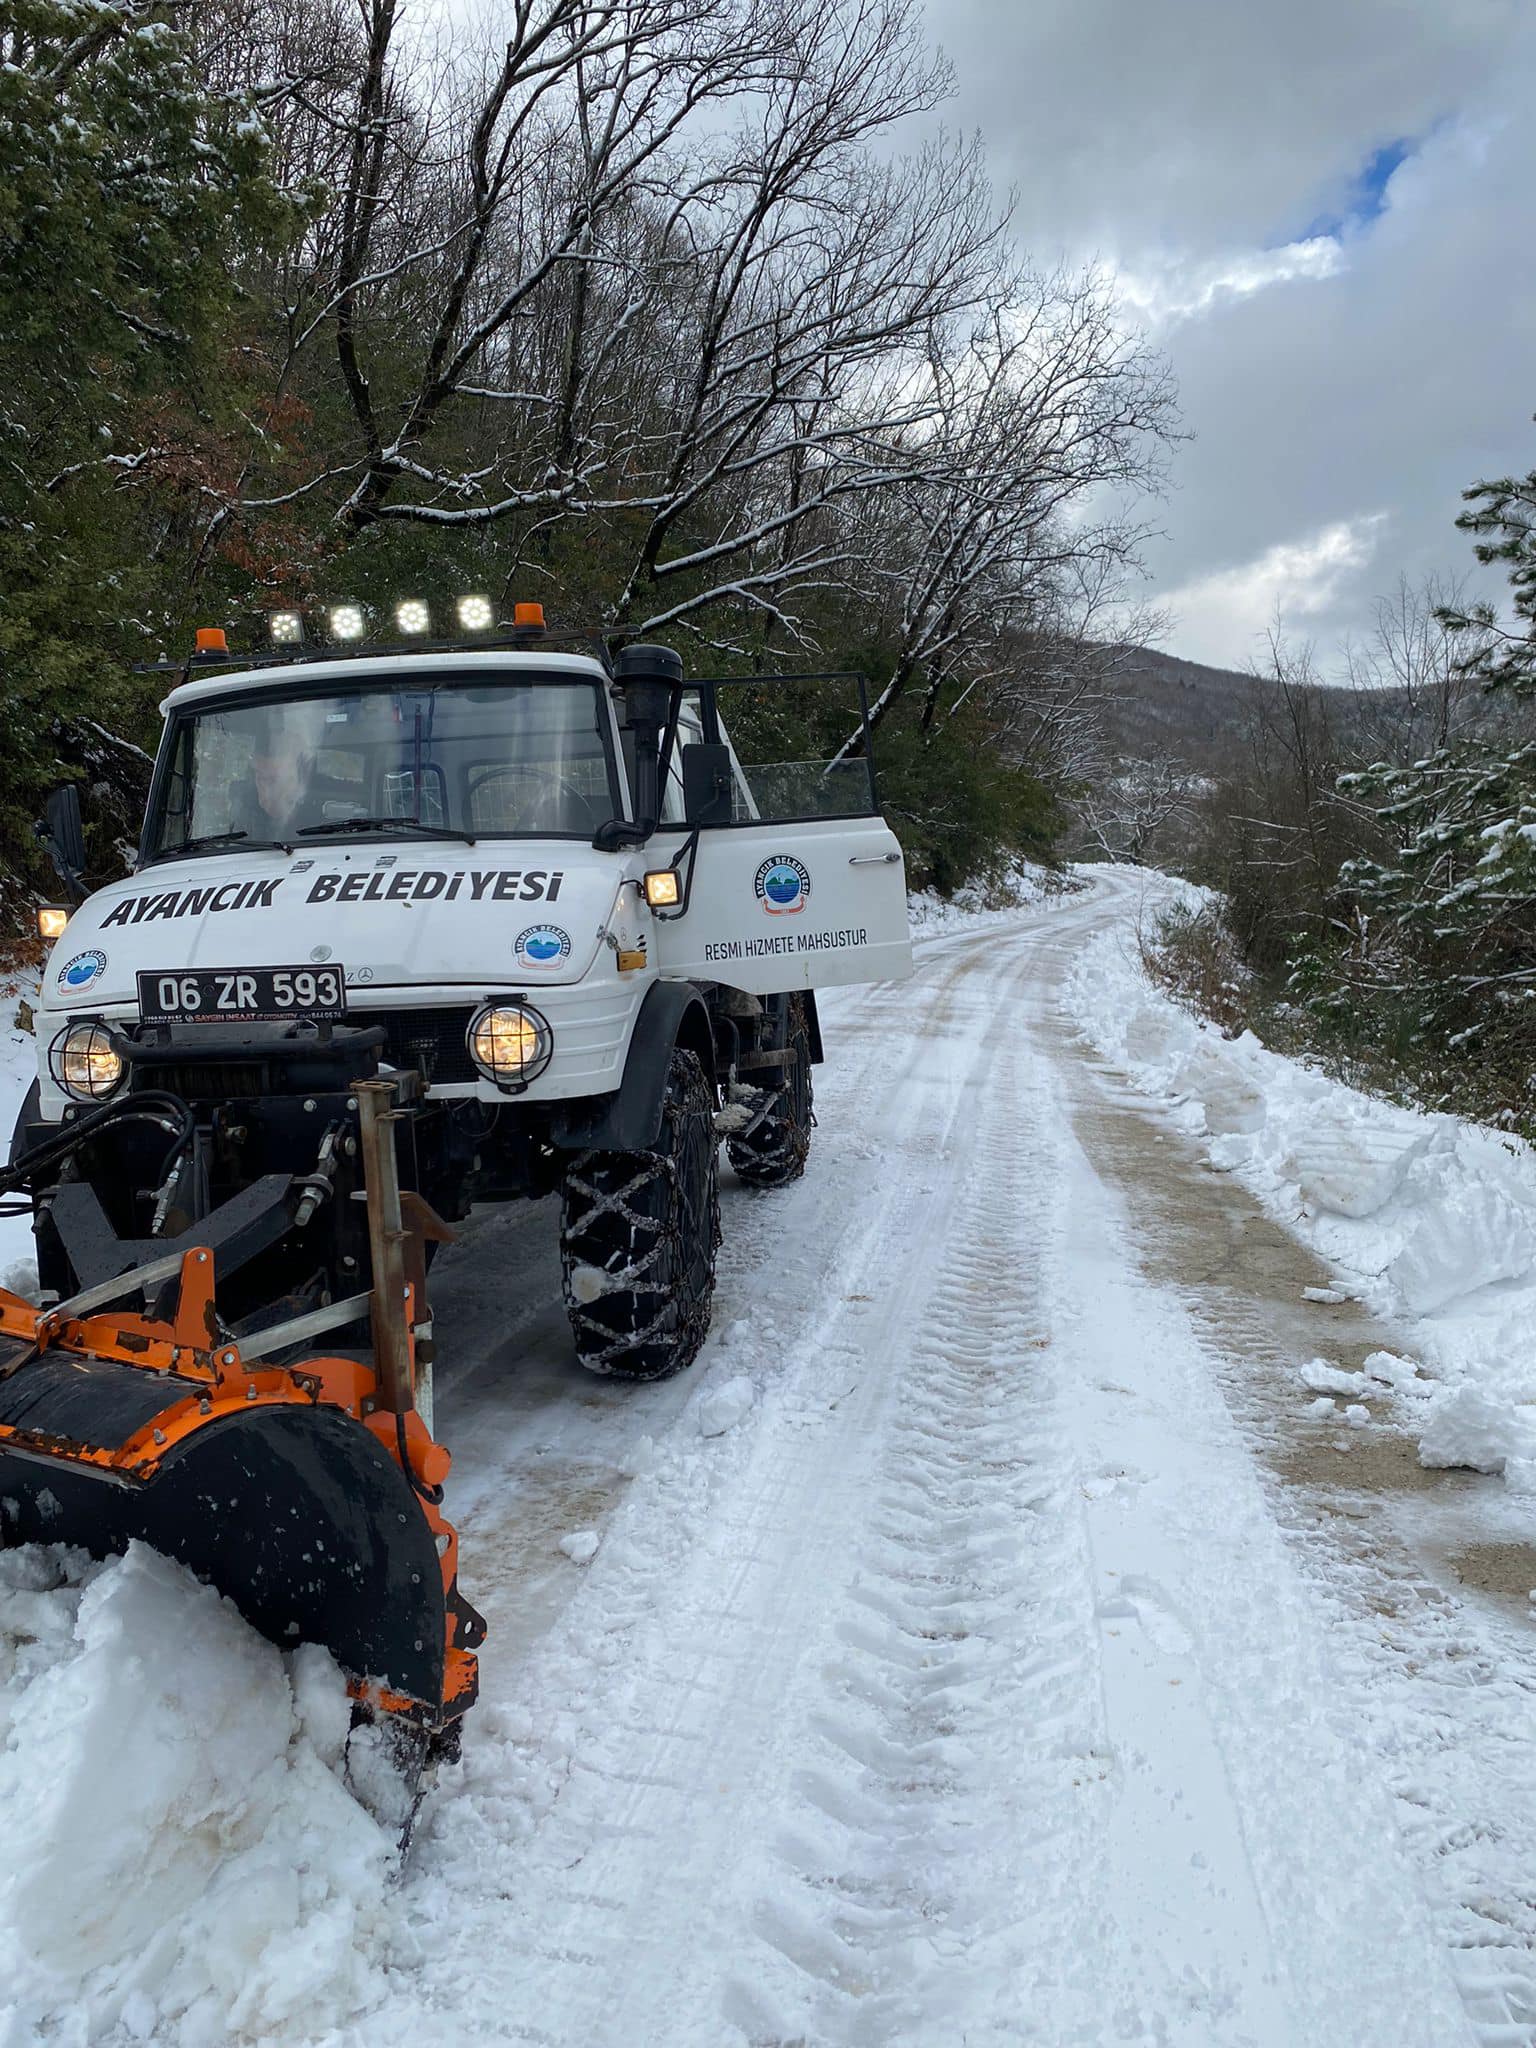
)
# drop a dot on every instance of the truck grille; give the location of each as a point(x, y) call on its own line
point(211, 1080)
point(430, 1039)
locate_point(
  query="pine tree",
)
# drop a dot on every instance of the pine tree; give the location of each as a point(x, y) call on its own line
point(123, 184)
point(1444, 955)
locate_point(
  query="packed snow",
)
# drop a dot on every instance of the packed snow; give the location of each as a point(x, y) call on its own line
point(1427, 1219)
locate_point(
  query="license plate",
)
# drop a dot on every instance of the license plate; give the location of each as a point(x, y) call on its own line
point(244, 995)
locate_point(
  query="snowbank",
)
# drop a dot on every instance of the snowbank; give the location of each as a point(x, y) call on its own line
point(1426, 1219)
point(183, 1863)
point(974, 907)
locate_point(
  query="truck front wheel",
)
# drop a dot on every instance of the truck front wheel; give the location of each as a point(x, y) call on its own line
point(773, 1152)
point(638, 1237)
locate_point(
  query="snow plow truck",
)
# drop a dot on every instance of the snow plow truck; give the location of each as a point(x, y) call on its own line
point(412, 928)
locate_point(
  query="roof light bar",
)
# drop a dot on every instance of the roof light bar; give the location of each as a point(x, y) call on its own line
point(347, 622)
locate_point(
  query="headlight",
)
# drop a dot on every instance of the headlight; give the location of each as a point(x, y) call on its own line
point(83, 1062)
point(510, 1044)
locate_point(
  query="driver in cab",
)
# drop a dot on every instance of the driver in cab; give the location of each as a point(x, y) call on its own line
point(285, 792)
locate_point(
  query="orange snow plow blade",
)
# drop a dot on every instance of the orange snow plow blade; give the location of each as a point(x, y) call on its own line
point(304, 1492)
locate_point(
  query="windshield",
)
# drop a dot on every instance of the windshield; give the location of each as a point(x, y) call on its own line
point(460, 758)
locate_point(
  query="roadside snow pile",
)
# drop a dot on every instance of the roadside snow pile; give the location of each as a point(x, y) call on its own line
point(973, 907)
point(1426, 1219)
point(182, 1861)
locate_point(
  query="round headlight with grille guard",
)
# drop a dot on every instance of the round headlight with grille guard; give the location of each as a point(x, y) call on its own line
point(510, 1043)
point(83, 1061)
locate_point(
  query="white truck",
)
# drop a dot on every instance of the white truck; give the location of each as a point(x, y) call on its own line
point(538, 889)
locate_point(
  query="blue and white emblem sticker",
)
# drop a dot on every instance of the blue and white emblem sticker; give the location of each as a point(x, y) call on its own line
point(542, 945)
point(78, 974)
point(783, 885)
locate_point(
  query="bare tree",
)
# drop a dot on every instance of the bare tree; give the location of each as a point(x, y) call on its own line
point(1414, 677)
point(1046, 406)
point(1129, 815)
point(639, 265)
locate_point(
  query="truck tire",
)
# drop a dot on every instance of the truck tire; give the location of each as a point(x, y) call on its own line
point(638, 1237)
point(773, 1152)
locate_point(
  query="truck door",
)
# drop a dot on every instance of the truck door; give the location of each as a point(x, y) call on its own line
point(803, 886)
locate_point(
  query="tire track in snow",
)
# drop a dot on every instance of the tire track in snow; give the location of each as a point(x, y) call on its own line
point(579, 1867)
point(952, 1713)
point(542, 1447)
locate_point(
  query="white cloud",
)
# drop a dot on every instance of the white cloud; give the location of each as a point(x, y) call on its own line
point(1222, 617)
point(1181, 288)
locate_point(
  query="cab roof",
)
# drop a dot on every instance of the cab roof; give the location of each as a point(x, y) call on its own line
point(282, 680)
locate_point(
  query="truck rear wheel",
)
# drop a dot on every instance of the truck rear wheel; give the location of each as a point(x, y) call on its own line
point(638, 1237)
point(773, 1152)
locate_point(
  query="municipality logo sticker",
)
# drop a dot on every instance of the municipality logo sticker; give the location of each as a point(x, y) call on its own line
point(79, 973)
point(783, 884)
point(542, 945)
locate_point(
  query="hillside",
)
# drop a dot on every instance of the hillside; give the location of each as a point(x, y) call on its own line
point(1161, 706)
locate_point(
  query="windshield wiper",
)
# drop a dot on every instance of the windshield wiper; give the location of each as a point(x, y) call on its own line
point(339, 825)
point(205, 840)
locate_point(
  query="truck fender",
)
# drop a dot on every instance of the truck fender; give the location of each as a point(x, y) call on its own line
point(673, 1013)
point(21, 1138)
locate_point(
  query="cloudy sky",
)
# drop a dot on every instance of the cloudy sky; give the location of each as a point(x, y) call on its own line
point(1322, 211)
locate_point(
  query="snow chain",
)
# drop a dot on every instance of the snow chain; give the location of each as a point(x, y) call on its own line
point(644, 1276)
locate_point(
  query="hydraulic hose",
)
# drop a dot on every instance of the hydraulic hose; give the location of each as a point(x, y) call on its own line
point(152, 1105)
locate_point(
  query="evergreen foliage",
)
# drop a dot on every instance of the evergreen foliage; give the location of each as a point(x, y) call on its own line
point(124, 186)
point(1376, 851)
point(1443, 967)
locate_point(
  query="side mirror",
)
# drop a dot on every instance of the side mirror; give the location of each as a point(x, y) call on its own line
point(617, 833)
point(63, 838)
point(647, 680)
point(707, 783)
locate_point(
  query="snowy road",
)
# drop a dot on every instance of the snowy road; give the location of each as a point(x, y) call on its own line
point(983, 1644)
point(998, 1676)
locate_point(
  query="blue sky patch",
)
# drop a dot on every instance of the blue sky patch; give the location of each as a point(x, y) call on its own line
point(1367, 195)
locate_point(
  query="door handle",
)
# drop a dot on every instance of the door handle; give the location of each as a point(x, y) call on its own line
point(872, 860)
